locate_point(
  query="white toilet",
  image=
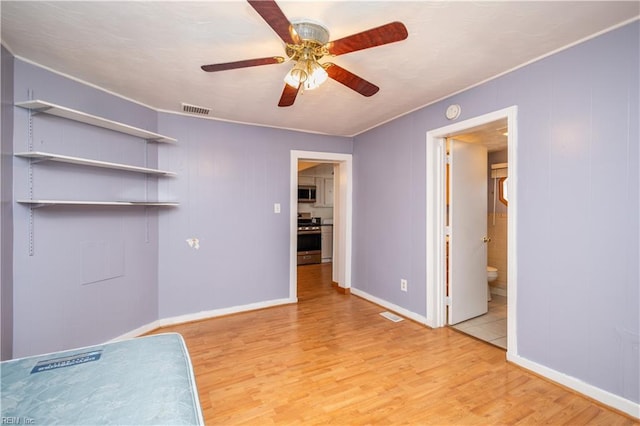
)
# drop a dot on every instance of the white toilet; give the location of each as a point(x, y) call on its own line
point(492, 274)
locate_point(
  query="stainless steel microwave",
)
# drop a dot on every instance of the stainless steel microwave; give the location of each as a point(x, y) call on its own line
point(306, 194)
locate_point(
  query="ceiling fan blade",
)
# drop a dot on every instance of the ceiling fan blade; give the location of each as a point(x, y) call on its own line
point(351, 80)
point(243, 64)
point(389, 33)
point(288, 96)
point(272, 14)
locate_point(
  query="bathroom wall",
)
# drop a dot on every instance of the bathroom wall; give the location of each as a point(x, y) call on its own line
point(497, 229)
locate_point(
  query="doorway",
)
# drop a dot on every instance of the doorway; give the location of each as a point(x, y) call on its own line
point(439, 301)
point(477, 218)
point(342, 207)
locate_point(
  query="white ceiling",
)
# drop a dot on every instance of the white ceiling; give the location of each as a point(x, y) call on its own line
point(151, 51)
point(492, 135)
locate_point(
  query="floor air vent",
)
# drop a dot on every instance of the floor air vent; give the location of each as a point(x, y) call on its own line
point(193, 109)
point(391, 317)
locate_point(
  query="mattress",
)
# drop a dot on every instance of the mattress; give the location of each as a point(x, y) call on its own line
point(142, 381)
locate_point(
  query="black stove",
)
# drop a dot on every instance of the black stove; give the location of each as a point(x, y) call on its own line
point(308, 221)
point(309, 240)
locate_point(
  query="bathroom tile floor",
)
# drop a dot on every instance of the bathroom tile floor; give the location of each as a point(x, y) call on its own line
point(490, 327)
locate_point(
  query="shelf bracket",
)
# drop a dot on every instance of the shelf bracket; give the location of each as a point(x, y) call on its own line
point(39, 205)
point(39, 160)
point(40, 110)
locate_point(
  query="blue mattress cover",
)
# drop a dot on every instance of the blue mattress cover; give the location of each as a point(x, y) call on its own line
point(142, 381)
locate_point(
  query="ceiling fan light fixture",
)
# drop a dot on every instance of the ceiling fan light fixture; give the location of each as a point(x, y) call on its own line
point(306, 43)
point(297, 75)
point(316, 77)
point(307, 72)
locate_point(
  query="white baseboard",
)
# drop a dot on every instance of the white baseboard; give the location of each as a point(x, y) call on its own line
point(388, 305)
point(180, 319)
point(498, 291)
point(137, 332)
point(224, 311)
point(626, 406)
point(607, 398)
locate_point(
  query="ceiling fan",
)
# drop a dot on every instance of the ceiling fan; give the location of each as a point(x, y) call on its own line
point(306, 42)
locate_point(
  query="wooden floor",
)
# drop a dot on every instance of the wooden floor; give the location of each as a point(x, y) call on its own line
point(332, 359)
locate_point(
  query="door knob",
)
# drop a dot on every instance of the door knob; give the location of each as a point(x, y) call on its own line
point(486, 239)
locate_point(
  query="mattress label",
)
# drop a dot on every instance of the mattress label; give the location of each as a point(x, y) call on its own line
point(67, 361)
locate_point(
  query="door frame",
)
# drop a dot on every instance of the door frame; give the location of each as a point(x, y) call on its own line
point(435, 217)
point(342, 216)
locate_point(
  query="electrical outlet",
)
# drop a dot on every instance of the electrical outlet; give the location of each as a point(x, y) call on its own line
point(403, 284)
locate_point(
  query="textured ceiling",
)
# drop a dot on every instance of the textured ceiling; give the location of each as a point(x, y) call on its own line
point(151, 51)
point(493, 135)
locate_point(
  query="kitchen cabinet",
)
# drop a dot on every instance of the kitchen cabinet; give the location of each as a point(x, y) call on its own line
point(306, 180)
point(328, 192)
point(327, 243)
point(324, 192)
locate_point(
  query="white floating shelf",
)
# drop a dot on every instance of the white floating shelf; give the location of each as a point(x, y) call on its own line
point(60, 111)
point(47, 203)
point(47, 156)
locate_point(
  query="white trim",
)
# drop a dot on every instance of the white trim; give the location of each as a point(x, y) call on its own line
point(499, 291)
point(436, 160)
point(629, 407)
point(137, 332)
point(436, 307)
point(342, 216)
point(78, 80)
point(203, 315)
point(390, 306)
point(248, 123)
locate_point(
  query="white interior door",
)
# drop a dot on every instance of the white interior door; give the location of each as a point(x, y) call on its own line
point(468, 225)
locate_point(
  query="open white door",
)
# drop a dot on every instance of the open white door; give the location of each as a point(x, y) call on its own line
point(468, 224)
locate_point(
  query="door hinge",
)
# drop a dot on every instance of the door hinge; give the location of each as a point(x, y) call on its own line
point(447, 300)
point(447, 231)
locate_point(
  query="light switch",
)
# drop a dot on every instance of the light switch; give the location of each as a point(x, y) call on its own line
point(276, 207)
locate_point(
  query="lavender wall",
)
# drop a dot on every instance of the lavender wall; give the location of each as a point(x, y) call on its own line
point(6, 206)
point(229, 177)
point(389, 213)
point(93, 272)
point(578, 278)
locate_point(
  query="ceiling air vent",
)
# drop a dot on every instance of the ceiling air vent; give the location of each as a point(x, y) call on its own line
point(193, 109)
